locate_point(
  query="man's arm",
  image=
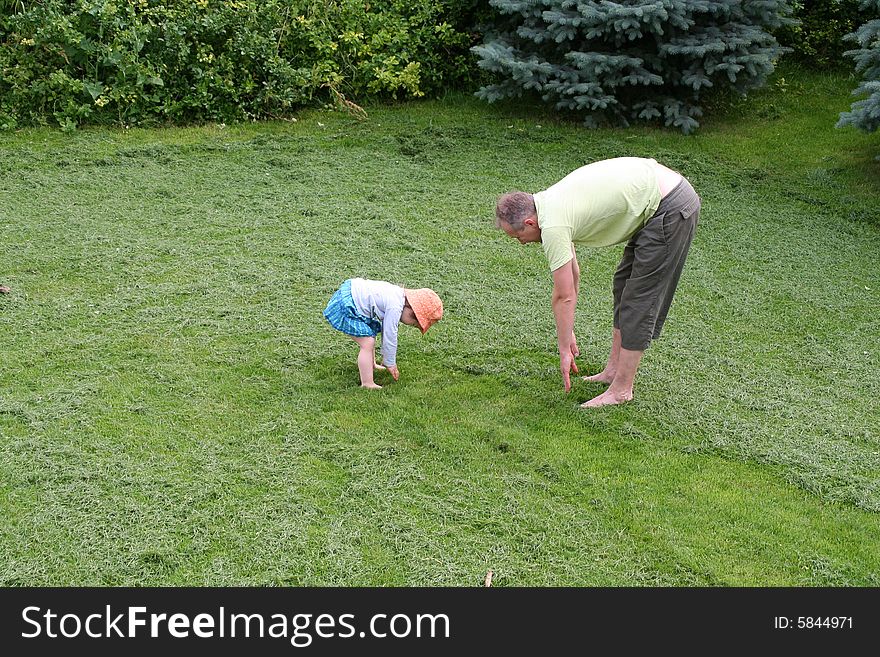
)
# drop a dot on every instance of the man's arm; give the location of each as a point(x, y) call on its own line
point(575, 272)
point(576, 277)
point(564, 300)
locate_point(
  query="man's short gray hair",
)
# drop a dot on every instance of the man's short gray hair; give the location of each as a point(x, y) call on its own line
point(513, 208)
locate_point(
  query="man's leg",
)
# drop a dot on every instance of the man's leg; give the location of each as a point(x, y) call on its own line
point(607, 375)
point(621, 275)
point(642, 302)
point(621, 388)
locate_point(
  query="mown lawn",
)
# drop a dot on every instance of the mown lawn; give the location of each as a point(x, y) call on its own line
point(174, 410)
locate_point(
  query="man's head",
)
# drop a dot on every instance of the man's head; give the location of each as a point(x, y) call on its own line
point(516, 215)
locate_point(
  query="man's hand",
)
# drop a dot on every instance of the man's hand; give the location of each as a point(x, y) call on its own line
point(566, 365)
point(395, 372)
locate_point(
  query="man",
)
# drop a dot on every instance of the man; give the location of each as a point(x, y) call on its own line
point(627, 199)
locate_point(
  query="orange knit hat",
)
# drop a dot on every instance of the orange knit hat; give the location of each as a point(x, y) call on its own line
point(426, 305)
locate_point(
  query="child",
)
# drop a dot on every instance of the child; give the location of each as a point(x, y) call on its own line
point(362, 308)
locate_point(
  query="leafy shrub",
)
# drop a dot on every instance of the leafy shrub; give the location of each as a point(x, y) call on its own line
point(141, 61)
point(817, 38)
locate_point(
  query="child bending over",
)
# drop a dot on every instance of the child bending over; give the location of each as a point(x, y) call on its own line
point(362, 308)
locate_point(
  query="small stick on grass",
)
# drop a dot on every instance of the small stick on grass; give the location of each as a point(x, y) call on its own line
point(488, 581)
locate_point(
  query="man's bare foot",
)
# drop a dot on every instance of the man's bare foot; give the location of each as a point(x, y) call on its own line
point(602, 377)
point(378, 367)
point(608, 398)
point(371, 386)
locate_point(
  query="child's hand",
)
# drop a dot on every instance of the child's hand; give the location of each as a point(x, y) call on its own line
point(394, 371)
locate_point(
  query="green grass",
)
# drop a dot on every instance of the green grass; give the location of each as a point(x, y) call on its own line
point(174, 409)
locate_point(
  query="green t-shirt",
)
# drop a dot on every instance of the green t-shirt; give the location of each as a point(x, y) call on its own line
point(600, 204)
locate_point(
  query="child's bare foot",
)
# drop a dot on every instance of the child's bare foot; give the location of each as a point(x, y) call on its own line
point(608, 398)
point(602, 377)
point(371, 386)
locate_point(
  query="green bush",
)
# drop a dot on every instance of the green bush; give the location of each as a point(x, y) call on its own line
point(817, 40)
point(69, 62)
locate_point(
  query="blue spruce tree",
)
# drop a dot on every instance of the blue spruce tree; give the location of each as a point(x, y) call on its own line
point(630, 60)
point(865, 114)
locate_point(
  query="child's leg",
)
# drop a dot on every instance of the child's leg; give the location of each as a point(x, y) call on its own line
point(376, 365)
point(366, 360)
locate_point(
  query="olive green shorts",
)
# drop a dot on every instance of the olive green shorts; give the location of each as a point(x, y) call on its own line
point(652, 261)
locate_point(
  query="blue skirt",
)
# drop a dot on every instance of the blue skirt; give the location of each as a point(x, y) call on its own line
point(343, 315)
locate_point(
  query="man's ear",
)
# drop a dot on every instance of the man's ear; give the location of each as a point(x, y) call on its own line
point(531, 221)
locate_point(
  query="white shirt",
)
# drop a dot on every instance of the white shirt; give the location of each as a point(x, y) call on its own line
point(384, 302)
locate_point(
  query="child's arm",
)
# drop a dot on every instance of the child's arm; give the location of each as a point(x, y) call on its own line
point(390, 325)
